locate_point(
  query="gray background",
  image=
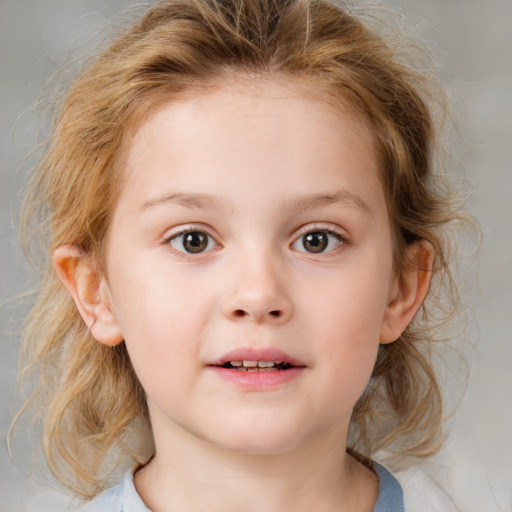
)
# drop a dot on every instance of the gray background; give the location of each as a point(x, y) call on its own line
point(474, 41)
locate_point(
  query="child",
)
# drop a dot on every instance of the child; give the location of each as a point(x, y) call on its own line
point(244, 225)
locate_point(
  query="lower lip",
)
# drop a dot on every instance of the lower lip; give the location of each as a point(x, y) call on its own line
point(258, 381)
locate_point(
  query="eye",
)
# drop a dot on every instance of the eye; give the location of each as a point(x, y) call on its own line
point(192, 242)
point(318, 241)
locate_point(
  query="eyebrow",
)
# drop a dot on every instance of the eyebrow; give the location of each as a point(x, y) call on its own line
point(344, 197)
point(205, 201)
point(192, 201)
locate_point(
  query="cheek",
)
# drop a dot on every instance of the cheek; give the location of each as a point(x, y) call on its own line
point(348, 305)
point(152, 300)
point(160, 319)
point(346, 328)
point(162, 343)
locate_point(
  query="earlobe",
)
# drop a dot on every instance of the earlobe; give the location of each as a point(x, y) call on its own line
point(89, 291)
point(408, 292)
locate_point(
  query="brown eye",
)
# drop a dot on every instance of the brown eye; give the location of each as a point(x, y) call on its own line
point(192, 242)
point(318, 241)
point(315, 242)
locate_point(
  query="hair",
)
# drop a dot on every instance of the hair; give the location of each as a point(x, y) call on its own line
point(89, 399)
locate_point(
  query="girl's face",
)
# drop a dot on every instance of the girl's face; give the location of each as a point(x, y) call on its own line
point(252, 226)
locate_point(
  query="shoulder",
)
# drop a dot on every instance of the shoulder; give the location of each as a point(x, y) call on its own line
point(111, 499)
point(390, 497)
point(122, 498)
point(427, 489)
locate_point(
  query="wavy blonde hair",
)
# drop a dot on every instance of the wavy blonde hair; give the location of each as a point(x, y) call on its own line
point(89, 399)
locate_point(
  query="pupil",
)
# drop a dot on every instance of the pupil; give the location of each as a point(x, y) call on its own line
point(195, 242)
point(315, 242)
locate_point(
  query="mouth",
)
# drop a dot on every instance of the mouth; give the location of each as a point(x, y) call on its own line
point(257, 366)
point(257, 360)
point(252, 369)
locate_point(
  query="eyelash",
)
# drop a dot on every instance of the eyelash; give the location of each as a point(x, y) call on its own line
point(306, 230)
point(318, 229)
point(176, 236)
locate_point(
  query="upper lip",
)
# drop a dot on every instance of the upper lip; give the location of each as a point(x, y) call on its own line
point(256, 354)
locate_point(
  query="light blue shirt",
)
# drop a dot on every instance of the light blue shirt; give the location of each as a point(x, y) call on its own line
point(124, 497)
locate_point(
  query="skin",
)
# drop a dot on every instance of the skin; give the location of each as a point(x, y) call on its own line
point(255, 169)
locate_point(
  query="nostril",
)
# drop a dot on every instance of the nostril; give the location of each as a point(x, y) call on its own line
point(239, 313)
point(275, 313)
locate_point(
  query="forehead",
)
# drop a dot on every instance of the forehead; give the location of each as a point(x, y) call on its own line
point(247, 113)
point(241, 142)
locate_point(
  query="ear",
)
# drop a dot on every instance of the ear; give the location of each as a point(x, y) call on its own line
point(408, 291)
point(90, 291)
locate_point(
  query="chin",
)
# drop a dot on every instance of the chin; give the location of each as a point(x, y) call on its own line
point(255, 440)
point(259, 447)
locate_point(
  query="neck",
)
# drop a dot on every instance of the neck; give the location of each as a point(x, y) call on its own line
point(188, 473)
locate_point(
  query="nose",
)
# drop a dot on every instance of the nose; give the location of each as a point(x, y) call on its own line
point(257, 292)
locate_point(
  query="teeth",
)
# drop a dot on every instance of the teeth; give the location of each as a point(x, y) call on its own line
point(256, 369)
point(266, 364)
point(254, 366)
point(257, 366)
